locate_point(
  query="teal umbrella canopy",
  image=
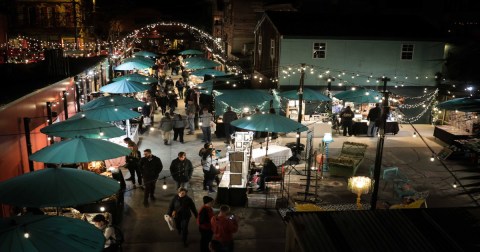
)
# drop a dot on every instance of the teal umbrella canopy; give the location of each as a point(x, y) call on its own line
point(83, 127)
point(206, 85)
point(466, 104)
point(49, 233)
point(308, 95)
point(56, 187)
point(360, 96)
point(239, 99)
point(190, 52)
point(132, 66)
point(113, 100)
point(137, 78)
point(211, 72)
point(269, 123)
point(78, 150)
point(108, 114)
point(124, 87)
point(145, 54)
point(200, 63)
point(142, 60)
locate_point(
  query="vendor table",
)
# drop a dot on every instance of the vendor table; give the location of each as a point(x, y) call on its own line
point(278, 154)
point(470, 146)
point(361, 128)
point(231, 195)
point(449, 134)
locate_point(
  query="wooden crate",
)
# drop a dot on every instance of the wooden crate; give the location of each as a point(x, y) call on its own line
point(235, 179)
point(236, 156)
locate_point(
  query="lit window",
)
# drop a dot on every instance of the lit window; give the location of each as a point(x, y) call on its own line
point(319, 50)
point(407, 52)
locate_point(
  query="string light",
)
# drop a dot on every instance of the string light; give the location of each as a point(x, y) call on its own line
point(164, 186)
point(432, 158)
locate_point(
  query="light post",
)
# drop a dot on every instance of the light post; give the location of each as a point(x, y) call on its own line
point(327, 139)
point(359, 185)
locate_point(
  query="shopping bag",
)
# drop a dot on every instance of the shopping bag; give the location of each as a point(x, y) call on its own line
point(147, 121)
point(170, 223)
point(213, 126)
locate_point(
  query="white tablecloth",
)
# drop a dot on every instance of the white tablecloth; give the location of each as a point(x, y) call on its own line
point(278, 154)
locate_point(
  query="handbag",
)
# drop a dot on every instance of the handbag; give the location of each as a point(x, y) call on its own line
point(213, 170)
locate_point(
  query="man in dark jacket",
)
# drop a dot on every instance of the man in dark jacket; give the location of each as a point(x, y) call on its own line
point(269, 169)
point(228, 117)
point(181, 170)
point(181, 209)
point(373, 117)
point(150, 166)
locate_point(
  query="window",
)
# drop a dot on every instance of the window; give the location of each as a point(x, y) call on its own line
point(407, 52)
point(319, 50)
point(260, 45)
point(272, 48)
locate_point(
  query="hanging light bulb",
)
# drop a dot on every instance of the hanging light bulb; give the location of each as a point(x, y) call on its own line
point(298, 135)
point(102, 209)
point(200, 124)
point(152, 128)
point(164, 186)
point(26, 235)
point(414, 134)
point(101, 133)
point(454, 185)
point(432, 158)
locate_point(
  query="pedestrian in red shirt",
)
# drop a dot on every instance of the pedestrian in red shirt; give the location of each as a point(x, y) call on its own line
point(224, 225)
point(205, 214)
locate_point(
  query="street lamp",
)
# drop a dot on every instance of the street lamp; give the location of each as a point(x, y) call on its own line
point(327, 138)
point(359, 185)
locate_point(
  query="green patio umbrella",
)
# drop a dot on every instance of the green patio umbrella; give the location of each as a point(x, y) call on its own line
point(137, 77)
point(308, 95)
point(49, 233)
point(190, 52)
point(145, 54)
point(239, 99)
point(206, 85)
point(132, 66)
point(112, 100)
point(83, 127)
point(142, 60)
point(200, 63)
point(359, 96)
point(211, 72)
point(466, 104)
point(57, 187)
point(108, 114)
point(124, 87)
point(269, 123)
point(78, 150)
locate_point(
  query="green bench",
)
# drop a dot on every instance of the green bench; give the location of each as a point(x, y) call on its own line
point(350, 158)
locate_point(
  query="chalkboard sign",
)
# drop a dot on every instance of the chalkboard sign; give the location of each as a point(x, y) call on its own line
point(444, 153)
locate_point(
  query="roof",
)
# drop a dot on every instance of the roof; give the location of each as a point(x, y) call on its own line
point(300, 24)
point(447, 229)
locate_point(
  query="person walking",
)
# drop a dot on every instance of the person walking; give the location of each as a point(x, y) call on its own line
point(209, 163)
point(180, 209)
point(147, 115)
point(132, 163)
point(191, 111)
point(205, 215)
point(180, 86)
point(150, 166)
point(179, 124)
point(172, 101)
point(373, 117)
point(181, 170)
point(162, 101)
point(347, 117)
point(224, 225)
point(166, 126)
point(205, 119)
point(228, 117)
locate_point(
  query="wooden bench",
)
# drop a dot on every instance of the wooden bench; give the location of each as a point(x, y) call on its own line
point(350, 158)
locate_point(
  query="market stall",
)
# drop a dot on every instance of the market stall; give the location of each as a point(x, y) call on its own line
point(461, 125)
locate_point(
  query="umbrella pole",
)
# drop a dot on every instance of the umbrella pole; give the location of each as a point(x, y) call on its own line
point(128, 128)
point(266, 148)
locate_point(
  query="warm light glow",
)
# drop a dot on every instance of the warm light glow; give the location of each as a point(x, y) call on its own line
point(102, 209)
point(359, 184)
point(26, 235)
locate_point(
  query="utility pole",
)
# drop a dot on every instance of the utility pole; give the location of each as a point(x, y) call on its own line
point(300, 105)
point(381, 140)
